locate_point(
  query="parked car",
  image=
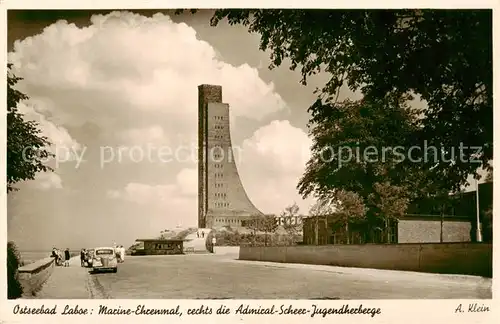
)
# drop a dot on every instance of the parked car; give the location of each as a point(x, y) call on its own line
point(105, 260)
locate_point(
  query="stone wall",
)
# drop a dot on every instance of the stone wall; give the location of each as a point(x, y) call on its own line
point(227, 250)
point(451, 258)
point(34, 275)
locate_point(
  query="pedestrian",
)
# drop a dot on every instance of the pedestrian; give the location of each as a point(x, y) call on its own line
point(82, 257)
point(122, 253)
point(198, 234)
point(66, 257)
point(60, 259)
point(202, 234)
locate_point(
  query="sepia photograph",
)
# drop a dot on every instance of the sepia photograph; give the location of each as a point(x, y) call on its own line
point(246, 154)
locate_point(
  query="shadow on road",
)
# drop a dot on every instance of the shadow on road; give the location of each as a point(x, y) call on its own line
point(94, 272)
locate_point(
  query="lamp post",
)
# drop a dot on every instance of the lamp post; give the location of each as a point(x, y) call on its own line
point(479, 237)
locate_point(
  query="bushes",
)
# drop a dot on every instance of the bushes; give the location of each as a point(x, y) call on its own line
point(14, 288)
point(226, 238)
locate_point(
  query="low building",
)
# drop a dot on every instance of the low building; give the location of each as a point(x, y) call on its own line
point(423, 223)
point(158, 247)
point(409, 229)
point(320, 230)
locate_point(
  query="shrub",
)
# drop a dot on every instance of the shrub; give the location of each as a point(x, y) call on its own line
point(225, 238)
point(14, 288)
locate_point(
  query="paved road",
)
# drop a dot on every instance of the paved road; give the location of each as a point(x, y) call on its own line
point(212, 276)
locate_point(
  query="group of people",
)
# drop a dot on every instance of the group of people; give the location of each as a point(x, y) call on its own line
point(120, 253)
point(202, 234)
point(85, 257)
point(61, 258)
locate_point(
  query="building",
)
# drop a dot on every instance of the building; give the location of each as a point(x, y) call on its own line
point(222, 199)
point(423, 223)
point(157, 247)
point(322, 230)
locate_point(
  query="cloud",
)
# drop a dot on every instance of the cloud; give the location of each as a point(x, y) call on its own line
point(125, 63)
point(278, 146)
point(46, 181)
point(152, 134)
point(187, 180)
point(63, 146)
point(272, 162)
point(167, 205)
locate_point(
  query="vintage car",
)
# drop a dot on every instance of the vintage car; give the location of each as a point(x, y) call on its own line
point(104, 260)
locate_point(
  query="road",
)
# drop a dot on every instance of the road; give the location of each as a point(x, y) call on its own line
point(213, 276)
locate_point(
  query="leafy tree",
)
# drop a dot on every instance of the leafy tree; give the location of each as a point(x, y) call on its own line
point(350, 209)
point(291, 220)
point(388, 54)
point(390, 203)
point(322, 207)
point(489, 176)
point(26, 148)
point(355, 145)
point(262, 223)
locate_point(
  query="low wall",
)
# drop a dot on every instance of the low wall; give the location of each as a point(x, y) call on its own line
point(224, 250)
point(451, 258)
point(33, 275)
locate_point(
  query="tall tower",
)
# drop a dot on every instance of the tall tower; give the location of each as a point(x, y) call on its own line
point(222, 200)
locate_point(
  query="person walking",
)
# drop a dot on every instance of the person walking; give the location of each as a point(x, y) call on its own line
point(66, 257)
point(82, 257)
point(122, 253)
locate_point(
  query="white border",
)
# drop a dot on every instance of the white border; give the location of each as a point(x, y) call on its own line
point(393, 311)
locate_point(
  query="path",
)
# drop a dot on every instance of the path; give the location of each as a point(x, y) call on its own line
point(71, 282)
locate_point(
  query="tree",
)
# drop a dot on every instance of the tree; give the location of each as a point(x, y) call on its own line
point(489, 176)
point(350, 209)
point(262, 223)
point(355, 145)
point(390, 203)
point(290, 216)
point(26, 148)
point(388, 54)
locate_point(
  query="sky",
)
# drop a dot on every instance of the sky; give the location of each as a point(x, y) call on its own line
point(108, 87)
point(114, 90)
